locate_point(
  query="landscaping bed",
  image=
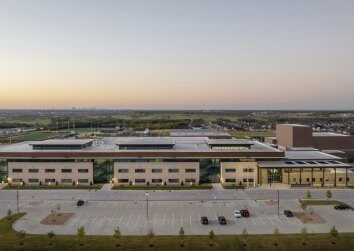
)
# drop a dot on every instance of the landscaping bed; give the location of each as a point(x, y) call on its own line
point(47, 187)
point(198, 187)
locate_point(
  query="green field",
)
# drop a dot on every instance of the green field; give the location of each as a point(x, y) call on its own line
point(305, 203)
point(9, 240)
point(244, 135)
point(33, 136)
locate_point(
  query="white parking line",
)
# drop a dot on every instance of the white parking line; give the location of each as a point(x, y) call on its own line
point(181, 220)
point(155, 220)
point(130, 216)
point(199, 219)
point(173, 218)
point(164, 219)
point(190, 219)
point(136, 224)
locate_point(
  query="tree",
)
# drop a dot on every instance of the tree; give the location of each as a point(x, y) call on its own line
point(117, 234)
point(80, 234)
point(276, 235)
point(244, 236)
point(50, 235)
point(308, 194)
point(304, 234)
point(333, 232)
point(151, 236)
point(9, 212)
point(181, 236)
point(58, 209)
point(328, 194)
point(211, 238)
point(21, 236)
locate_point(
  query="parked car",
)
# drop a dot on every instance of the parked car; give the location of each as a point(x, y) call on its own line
point(237, 214)
point(288, 213)
point(204, 220)
point(80, 203)
point(222, 220)
point(245, 213)
point(341, 207)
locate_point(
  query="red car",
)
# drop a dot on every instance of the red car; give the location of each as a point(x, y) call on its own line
point(245, 213)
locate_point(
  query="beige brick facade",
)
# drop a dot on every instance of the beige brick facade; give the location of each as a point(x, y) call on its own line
point(236, 173)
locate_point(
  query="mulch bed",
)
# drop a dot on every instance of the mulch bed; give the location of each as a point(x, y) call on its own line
point(56, 219)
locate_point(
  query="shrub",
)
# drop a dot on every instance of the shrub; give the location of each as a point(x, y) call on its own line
point(328, 194)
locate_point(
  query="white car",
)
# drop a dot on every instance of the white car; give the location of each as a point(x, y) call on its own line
point(237, 214)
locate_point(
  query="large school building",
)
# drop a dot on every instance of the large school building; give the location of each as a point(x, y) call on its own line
point(170, 161)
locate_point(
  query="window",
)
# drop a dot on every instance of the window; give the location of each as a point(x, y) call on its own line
point(191, 170)
point(230, 180)
point(248, 170)
point(230, 170)
point(294, 179)
point(49, 180)
point(190, 180)
point(340, 179)
point(327, 179)
point(156, 180)
point(173, 180)
point(156, 170)
point(123, 170)
point(140, 171)
point(82, 170)
point(173, 170)
point(83, 180)
point(33, 170)
point(139, 180)
point(33, 180)
point(17, 170)
point(307, 179)
point(313, 179)
point(123, 180)
point(66, 181)
point(66, 170)
point(248, 180)
point(50, 170)
point(321, 179)
point(347, 179)
point(16, 180)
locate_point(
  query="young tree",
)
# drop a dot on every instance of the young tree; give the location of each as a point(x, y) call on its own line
point(117, 235)
point(9, 212)
point(58, 207)
point(244, 236)
point(304, 234)
point(181, 236)
point(276, 235)
point(151, 236)
point(50, 235)
point(80, 234)
point(329, 195)
point(333, 232)
point(211, 238)
point(308, 194)
point(21, 236)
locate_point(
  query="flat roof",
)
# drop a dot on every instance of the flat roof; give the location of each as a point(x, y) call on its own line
point(309, 155)
point(184, 147)
point(302, 164)
point(229, 142)
point(328, 134)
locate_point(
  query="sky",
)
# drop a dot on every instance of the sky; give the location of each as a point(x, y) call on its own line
point(185, 54)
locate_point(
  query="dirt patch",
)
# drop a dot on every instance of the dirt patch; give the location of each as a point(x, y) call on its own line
point(271, 202)
point(309, 217)
point(56, 219)
point(34, 203)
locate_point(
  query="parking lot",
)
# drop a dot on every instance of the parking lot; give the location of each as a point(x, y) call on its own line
point(166, 217)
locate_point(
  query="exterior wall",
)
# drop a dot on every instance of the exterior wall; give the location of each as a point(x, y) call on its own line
point(239, 173)
point(131, 176)
point(342, 143)
point(57, 175)
point(294, 135)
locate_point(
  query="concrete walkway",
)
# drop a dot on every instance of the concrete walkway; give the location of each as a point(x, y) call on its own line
point(107, 187)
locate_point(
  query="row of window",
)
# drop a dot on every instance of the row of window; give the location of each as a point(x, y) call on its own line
point(156, 181)
point(69, 181)
point(48, 170)
point(157, 170)
point(244, 180)
point(319, 179)
point(233, 170)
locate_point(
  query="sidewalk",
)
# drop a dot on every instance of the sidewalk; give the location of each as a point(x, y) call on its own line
point(107, 187)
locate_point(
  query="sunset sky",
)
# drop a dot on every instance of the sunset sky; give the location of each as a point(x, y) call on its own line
point(181, 54)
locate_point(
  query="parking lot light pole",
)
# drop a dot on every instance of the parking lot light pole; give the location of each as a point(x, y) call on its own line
point(278, 203)
point(147, 205)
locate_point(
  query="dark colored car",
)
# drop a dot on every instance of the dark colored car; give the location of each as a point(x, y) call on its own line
point(341, 207)
point(222, 220)
point(80, 203)
point(288, 213)
point(204, 220)
point(245, 213)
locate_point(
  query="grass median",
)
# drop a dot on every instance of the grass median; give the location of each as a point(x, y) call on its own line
point(10, 240)
point(197, 187)
point(53, 187)
point(305, 203)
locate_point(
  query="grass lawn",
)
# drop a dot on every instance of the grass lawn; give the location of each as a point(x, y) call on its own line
point(53, 187)
point(34, 136)
point(9, 240)
point(305, 203)
point(199, 187)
